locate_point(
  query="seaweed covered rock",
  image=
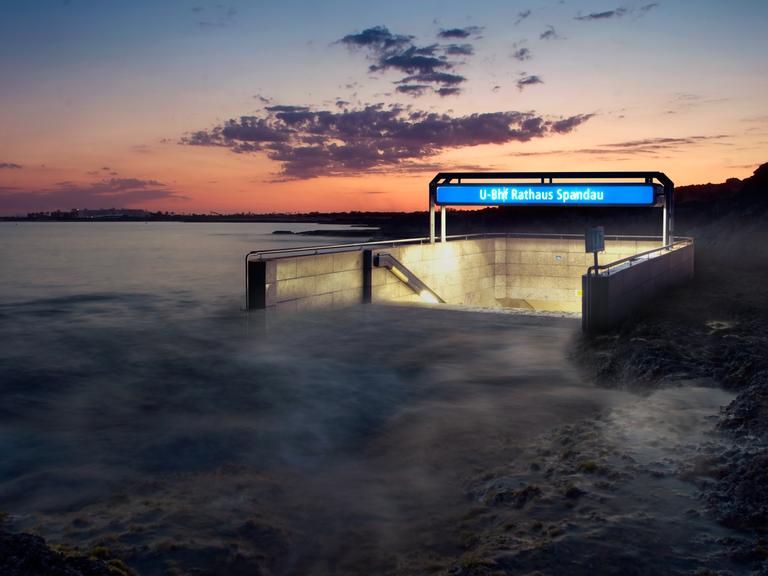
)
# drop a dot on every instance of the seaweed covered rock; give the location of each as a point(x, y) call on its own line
point(28, 555)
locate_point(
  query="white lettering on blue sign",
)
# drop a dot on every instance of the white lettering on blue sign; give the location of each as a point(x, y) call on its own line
point(547, 194)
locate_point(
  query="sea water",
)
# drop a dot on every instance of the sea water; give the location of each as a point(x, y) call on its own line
point(143, 410)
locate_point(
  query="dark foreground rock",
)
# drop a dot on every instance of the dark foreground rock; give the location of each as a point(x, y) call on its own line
point(28, 555)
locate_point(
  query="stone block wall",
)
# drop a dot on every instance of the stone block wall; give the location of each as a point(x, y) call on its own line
point(533, 272)
point(460, 272)
point(545, 273)
point(311, 282)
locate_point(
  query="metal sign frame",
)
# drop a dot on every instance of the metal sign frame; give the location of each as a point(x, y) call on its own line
point(665, 199)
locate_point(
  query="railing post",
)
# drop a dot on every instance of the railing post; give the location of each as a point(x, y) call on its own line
point(256, 296)
point(431, 220)
point(443, 223)
point(367, 276)
point(671, 225)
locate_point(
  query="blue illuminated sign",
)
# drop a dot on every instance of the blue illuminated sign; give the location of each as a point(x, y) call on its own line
point(547, 194)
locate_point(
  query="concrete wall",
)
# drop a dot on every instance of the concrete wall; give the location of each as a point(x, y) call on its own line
point(537, 273)
point(311, 282)
point(611, 297)
point(460, 272)
point(545, 274)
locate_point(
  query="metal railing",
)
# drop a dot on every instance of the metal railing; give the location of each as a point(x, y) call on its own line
point(630, 261)
point(355, 246)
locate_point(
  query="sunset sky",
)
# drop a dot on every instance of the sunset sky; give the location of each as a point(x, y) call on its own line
point(191, 106)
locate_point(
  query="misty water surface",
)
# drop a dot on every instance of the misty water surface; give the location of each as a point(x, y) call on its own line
point(140, 404)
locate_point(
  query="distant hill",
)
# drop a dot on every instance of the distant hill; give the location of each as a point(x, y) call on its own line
point(732, 230)
point(754, 190)
point(708, 192)
point(748, 190)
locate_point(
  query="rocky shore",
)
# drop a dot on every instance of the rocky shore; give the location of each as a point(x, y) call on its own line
point(713, 332)
point(28, 555)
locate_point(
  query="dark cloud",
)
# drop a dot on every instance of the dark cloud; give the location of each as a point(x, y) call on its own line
point(448, 91)
point(436, 77)
point(566, 125)
point(459, 33)
point(617, 13)
point(431, 64)
point(651, 144)
point(10, 166)
point(378, 38)
point(549, 34)
point(413, 60)
point(106, 193)
point(459, 49)
point(414, 89)
point(522, 16)
point(446, 84)
point(371, 138)
point(646, 147)
point(522, 54)
point(529, 80)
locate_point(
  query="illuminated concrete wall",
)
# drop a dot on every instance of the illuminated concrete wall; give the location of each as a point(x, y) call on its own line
point(312, 282)
point(535, 273)
point(545, 273)
point(460, 272)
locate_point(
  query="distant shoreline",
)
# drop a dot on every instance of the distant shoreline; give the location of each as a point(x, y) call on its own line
point(352, 219)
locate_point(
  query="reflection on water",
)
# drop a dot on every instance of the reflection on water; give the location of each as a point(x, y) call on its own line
point(141, 408)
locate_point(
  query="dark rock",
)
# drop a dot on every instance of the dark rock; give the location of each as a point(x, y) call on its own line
point(747, 415)
point(740, 497)
point(518, 498)
point(28, 555)
point(574, 492)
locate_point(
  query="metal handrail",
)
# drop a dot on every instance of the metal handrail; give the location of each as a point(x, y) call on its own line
point(259, 254)
point(641, 256)
point(353, 246)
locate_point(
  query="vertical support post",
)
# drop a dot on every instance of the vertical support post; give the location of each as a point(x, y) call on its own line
point(665, 223)
point(431, 219)
point(671, 215)
point(256, 296)
point(586, 300)
point(367, 276)
point(443, 214)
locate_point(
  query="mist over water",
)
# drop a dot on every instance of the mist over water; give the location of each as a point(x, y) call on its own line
point(140, 403)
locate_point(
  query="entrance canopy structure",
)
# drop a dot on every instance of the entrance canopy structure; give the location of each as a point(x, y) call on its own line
point(555, 189)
